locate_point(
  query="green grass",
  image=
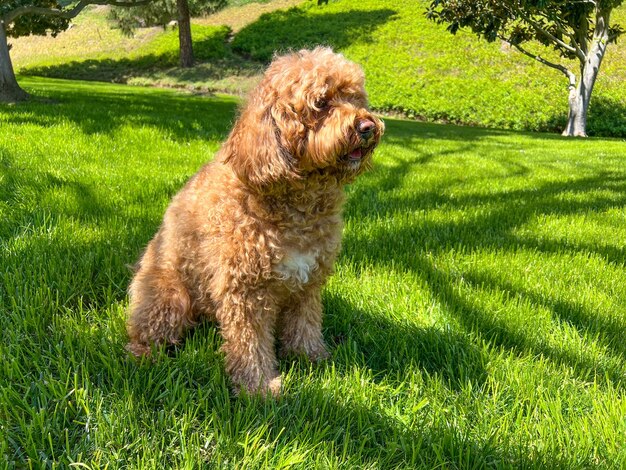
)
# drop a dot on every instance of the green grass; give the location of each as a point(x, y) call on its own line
point(416, 67)
point(238, 3)
point(159, 53)
point(476, 317)
point(91, 50)
point(413, 67)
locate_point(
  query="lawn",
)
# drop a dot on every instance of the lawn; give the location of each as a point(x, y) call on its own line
point(414, 67)
point(476, 318)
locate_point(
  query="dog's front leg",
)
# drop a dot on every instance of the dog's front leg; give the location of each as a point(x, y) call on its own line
point(300, 325)
point(247, 320)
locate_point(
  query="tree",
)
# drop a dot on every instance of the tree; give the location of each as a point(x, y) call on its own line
point(161, 13)
point(25, 17)
point(578, 30)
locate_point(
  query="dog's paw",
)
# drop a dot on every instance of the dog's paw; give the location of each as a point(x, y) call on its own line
point(139, 349)
point(267, 388)
point(319, 354)
point(275, 386)
point(314, 351)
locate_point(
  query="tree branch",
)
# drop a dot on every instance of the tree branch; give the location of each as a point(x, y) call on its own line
point(578, 48)
point(26, 10)
point(561, 68)
point(575, 50)
point(67, 14)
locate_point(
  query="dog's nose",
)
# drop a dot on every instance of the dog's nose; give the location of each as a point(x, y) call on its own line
point(366, 128)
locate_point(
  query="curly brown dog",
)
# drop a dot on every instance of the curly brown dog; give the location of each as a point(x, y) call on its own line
point(252, 237)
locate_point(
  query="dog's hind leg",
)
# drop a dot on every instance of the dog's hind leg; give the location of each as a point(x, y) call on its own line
point(160, 307)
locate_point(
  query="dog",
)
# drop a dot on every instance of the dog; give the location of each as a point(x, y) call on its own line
point(251, 239)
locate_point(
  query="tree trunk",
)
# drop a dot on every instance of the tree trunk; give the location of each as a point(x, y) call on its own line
point(10, 91)
point(580, 95)
point(184, 34)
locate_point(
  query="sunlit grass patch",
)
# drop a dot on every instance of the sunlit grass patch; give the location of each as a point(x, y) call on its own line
point(413, 66)
point(475, 318)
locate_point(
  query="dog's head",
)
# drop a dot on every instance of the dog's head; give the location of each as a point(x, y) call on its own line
point(308, 114)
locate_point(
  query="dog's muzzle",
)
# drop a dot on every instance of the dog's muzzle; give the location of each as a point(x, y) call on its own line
point(366, 129)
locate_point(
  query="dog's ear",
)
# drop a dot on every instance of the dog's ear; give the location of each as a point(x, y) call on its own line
point(255, 149)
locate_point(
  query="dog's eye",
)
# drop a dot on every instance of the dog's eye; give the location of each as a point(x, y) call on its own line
point(321, 103)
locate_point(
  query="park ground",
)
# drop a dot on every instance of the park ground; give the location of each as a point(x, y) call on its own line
point(476, 318)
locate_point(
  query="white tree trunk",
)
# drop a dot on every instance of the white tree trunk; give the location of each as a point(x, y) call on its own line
point(580, 95)
point(10, 91)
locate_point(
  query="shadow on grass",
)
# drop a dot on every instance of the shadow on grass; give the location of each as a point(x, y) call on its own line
point(277, 31)
point(192, 384)
point(62, 230)
point(44, 256)
point(357, 430)
point(59, 222)
point(609, 331)
point(491, 225)
point(102, 108)
point(66, 284)
point(284, 30)
point(440, 352)
point(367, 436)
point(211, 47)
point(125, 69)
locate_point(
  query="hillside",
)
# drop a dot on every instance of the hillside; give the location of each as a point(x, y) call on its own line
point(416, 67)
point(413, 66)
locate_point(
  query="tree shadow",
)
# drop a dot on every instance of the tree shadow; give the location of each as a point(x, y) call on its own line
point(367, 436)
point(609, 331)
point(40, 254)
point(100, 108)
point(58, 223)
point(356, 431)
point(125, 69)
point(219, 59)
point(494, 228)
point(293, 29)
point(208, 47)
point(440, 352)
point(491, 224)
point(362, 431)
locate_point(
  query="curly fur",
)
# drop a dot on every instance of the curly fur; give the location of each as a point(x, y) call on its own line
point(252, 237)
